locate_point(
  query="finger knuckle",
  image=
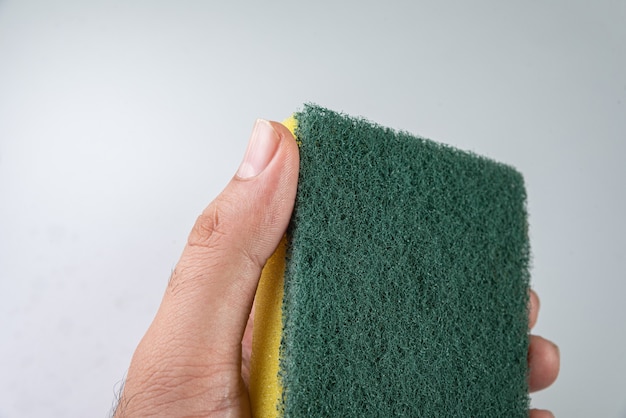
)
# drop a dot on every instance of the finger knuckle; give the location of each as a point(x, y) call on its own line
point(209, 227)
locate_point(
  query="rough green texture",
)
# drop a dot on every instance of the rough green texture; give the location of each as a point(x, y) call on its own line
point(406, 284)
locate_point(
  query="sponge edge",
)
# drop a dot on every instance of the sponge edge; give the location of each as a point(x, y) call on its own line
point(265, 388)
point(403, 283)
point(291, 123)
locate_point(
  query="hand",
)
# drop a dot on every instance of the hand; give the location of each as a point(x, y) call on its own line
point(190, 361)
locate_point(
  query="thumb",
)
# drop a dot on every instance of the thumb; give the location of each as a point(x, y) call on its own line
point(213, 285)
point(203, 314)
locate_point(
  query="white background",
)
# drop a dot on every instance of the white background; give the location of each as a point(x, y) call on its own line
point(121, 120)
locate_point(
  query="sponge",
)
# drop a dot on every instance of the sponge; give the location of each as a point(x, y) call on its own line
point(401, 287)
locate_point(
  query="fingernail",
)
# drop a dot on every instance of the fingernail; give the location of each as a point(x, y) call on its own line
point(261, 148)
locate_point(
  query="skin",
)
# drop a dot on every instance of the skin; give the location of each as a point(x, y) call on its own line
point(194, 357)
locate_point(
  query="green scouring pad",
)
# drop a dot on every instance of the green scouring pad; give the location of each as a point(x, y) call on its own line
point(402, 286)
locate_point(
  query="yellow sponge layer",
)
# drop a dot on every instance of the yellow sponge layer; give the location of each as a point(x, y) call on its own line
point(265, 386)
point(291, 123)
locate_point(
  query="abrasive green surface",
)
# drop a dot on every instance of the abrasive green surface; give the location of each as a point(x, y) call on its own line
point(406, 283)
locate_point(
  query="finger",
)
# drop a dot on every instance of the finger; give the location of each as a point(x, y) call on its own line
point(533, 309)
point(212, 288)
point(541, 413)
point(543, 362)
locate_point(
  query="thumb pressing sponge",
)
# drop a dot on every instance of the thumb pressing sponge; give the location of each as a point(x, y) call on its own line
point(401, 288)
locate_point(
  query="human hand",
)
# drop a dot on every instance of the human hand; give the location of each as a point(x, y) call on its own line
point(194, 358)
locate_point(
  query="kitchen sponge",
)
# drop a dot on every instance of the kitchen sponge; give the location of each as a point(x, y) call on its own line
point(401, 288)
